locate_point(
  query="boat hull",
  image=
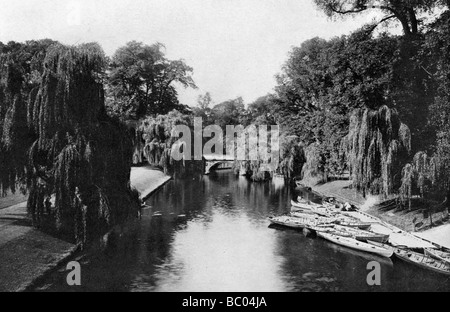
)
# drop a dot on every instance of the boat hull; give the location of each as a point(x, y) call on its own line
point(290, 222)
point(363, 235)
point(355, 244)
point(301, 205)
point(355, 224)
point(423, 261)
point(440, 255)
point(313, 217)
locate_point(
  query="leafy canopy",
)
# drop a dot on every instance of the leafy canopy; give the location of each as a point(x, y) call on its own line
point(142, 81)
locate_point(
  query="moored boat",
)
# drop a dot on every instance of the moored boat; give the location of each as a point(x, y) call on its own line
point(354, 223)
point(307, 207)
point(383, 245)
point(423, 261)
point(363, 235)
point(362, 254)
point(324, 204)
point(342, 219)
point(313, 216)
point(303, 205)
point(351, 221)
point(438, 254)
point(291, 222)
point(355, 244)
point(330, 229)
point(320, 212)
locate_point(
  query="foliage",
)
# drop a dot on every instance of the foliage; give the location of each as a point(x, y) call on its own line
point(204, 101)
point(428, 173)
point(203, 108)
point(228, 113)
point(76, 153)
point(321, 84)
point(292, 157)
point(156, 133)
point(406, 12)
point(377, 146)
point(258, 165)
point(21, 66)
point(313, 170)
point(263, 111)
point(142, 81)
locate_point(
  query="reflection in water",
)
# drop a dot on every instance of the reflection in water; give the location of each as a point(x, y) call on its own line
point(224, 244)
point(226, 260)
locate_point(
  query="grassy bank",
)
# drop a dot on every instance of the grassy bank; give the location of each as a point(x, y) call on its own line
point(12, 199)
point(147, 179)
point(26, 253)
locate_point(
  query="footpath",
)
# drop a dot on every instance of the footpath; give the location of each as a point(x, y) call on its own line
point(26, 254)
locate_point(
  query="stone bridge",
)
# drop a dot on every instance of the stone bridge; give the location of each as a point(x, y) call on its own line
point(215, 161)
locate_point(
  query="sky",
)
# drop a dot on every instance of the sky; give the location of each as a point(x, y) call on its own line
point(236, 47)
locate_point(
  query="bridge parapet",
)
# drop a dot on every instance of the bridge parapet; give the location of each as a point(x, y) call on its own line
point(215, 164)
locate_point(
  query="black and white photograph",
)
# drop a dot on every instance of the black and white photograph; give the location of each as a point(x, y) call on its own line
point(224, 150)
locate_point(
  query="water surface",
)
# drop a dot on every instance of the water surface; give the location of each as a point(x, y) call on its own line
point(225, 243)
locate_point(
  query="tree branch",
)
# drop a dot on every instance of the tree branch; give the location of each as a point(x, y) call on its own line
point(429, 74)
point(348, 11)
point(363, 8)
point(380, 22)
point(403, 20)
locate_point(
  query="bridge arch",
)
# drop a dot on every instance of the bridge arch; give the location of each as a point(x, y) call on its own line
point(213, 165)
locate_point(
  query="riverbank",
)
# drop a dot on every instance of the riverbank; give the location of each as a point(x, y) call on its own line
point(12, 199)
point(27, 254)
point(415, 221)
point(147, 180)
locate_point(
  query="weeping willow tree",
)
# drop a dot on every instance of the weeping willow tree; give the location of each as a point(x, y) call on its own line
point(254, 166)
point(313, 170)
point(425, 177)
point(376, 146)
point(262, 149)
point(155, 141)
point(76, 155)
point(15, 137)
point(292, 157)
point(15, 140)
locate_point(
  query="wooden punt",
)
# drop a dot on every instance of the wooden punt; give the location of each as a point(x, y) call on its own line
point(305, 207)
point(303, 204)
point(313, 217)
point(355, 244)
point(438, 254)
point(418, 259)
point(291, 222)
point(355, 223)
point(322, 205)
point(423, 261)
point(363, 235)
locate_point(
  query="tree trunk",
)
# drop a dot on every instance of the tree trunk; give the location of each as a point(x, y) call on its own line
point(447, 199)
point(405, 25)
point(413, 21)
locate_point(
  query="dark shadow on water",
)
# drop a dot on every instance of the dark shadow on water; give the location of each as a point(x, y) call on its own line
point(224, 238)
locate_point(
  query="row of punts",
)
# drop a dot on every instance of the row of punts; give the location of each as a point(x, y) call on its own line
point(332, 225)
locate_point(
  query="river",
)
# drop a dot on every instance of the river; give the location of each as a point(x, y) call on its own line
point(225, 243)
